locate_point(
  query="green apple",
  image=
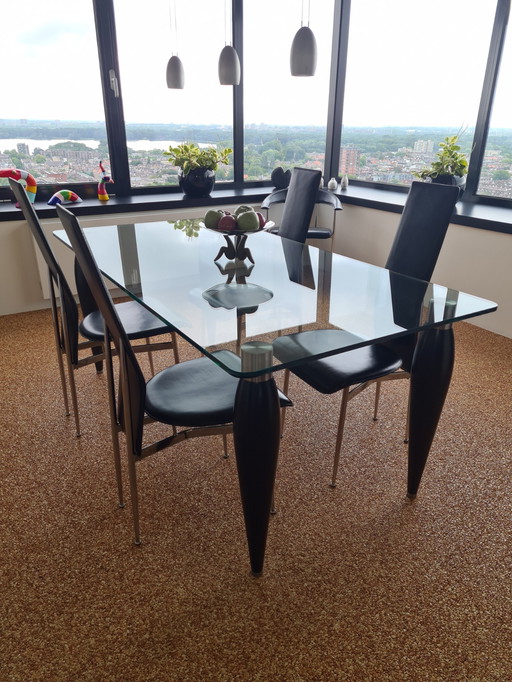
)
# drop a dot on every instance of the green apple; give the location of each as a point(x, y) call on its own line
point(211, 218)
point(242, 209)
point(248, 221)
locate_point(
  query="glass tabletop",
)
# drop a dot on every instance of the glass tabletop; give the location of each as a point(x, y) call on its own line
point(219, 293)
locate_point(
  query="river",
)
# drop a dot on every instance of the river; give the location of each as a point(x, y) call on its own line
point(136, 145)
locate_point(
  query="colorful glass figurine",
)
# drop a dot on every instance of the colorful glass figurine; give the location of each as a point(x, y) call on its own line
point(102, 190)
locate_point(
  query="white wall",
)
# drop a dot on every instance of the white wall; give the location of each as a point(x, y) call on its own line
point(472, 260)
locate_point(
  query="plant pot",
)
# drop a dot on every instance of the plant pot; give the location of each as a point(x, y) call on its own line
point(196, 183)
point(458, 180)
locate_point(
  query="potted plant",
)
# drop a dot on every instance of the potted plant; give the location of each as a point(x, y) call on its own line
point(450, 167)
point(197, 166)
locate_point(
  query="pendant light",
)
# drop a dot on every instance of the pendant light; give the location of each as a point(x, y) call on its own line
point(303, 52)
point(229, 64)
point(175, 74)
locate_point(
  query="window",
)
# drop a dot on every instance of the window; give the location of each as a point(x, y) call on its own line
point(414, 75)
point(285, 117)
point(155, 115)
point(53, 123)
point(496, 175)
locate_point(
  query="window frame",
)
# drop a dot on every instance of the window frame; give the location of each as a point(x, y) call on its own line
point(483, 122)
point(115, 123)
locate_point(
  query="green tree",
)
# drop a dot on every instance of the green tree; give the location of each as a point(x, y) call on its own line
point(16, 159)
point(269, 157)
point(75, 146)
point(501, 175)
point(254, 170)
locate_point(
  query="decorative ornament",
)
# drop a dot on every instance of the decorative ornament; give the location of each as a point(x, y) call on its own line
point(332, 184)
point(344, 181)
point(64, 196)
point(280, 178)
point(102, 190)
point(20, 174)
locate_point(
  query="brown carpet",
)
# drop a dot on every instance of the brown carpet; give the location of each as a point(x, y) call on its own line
point(359, 583)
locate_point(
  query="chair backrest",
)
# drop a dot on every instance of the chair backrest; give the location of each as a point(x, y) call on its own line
point(57, 280)
point(133, 377)
point(422, 229)
point(416, 247)
point(300, 200)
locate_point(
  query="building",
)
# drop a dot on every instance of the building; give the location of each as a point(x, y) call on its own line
point(424, 146)
point(349, 160)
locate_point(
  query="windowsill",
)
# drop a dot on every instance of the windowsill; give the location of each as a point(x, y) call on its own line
point(141, 202)
point(482, 216)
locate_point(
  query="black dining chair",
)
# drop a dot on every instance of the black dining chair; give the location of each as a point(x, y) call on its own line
point(196, 396)
point(300, 200)
point(138, 322)
point(414, 252)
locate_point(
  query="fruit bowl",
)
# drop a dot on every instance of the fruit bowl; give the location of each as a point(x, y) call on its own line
point(242, 220)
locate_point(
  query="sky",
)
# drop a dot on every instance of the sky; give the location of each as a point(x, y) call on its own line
point(405, 66)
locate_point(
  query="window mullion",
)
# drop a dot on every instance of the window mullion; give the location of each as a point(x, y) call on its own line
point(336, 88)
point(112, 96)
point(238, 95)
point(487, 97)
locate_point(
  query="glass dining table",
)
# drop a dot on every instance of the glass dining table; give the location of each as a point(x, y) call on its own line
point(243, 292)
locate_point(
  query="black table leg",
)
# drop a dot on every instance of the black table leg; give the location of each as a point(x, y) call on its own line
point(430, 378)
point(256, 434)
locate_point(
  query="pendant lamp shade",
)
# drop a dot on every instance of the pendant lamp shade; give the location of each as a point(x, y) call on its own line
point(175, 73)
point(229, 66)
point(303, 53)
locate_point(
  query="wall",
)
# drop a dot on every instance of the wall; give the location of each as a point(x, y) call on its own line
point(472, 260)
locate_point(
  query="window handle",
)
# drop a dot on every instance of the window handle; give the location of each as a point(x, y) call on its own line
point(114, 83)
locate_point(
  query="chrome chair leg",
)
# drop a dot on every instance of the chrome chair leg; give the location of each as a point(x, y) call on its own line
point(72, 390)
point(63, 384)
point(286, 384)
point(339, 437)
point(114, 427)
point(150, 358)
point(134, 499)
point(377, 398)
point(175, 347)
point(132, 474)
point(59, 346)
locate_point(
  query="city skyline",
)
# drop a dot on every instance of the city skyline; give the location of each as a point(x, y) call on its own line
point(372, 155)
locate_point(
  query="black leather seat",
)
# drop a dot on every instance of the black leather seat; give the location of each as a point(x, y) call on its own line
point(328, 374)
point(138, 322)
point(197, 396)
point(414, 252)
point(299, 199)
